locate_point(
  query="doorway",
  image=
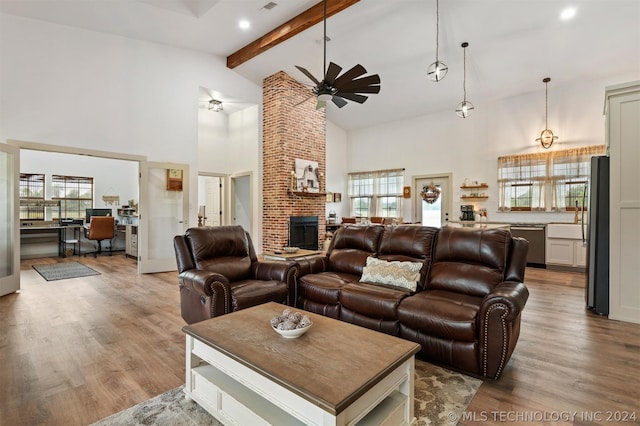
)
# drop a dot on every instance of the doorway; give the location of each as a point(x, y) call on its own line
point(241, 196)
point(150, 223)
point(436, 214)
point(211, 190)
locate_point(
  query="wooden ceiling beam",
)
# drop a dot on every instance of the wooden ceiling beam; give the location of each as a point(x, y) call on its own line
point(296, 25)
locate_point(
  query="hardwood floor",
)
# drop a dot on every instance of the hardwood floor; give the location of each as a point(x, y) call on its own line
point(75, 351)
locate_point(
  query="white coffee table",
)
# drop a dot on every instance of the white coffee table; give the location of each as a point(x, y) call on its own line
point(242, 372)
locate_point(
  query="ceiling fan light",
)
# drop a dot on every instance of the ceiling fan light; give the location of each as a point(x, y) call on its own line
point(437, 71)
point(464, 109)
point(325, 97)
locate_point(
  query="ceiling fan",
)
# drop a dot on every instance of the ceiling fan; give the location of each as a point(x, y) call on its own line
point(337, 88)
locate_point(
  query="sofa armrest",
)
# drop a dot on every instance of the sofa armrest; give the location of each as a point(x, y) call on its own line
point(512, 294)
point(499, 325)
point(285, 271)
point(276, 270)
point(312, 265)
point(207, 285)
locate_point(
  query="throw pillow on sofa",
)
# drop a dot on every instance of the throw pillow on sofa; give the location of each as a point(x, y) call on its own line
point(395, 273)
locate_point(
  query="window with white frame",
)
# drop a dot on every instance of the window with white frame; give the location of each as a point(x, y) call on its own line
point(376, 193)
point(75, 194)
point(569, 175)
point(556, 180)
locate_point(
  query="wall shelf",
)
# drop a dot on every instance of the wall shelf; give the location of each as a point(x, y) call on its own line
point(307, 194)
point(481, 186)
point(474, 195)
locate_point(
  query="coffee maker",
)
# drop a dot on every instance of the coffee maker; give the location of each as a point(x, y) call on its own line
point(466, 212)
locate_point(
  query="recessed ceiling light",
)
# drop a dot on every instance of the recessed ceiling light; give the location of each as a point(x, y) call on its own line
point(568, 13)
point(244, 24)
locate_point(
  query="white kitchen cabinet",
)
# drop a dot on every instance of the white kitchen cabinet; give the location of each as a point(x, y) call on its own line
point(564, 246)
point(622, 109)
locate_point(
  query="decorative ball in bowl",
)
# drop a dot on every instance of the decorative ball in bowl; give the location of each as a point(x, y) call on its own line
point(291, 325)
point(290, 250)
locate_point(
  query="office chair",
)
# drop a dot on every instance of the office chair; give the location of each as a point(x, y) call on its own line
point(101, 228)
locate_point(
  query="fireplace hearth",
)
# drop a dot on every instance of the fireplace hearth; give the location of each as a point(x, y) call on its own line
point(303, 232)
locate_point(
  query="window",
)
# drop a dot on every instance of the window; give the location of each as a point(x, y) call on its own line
point(521, 182)
point(75, 194)
point(569, 174)
point(558, 179)
point(377, 193)
point(31, 190)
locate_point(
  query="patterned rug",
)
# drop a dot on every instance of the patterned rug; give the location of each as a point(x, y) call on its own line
point(440, 398)
point(64, 270)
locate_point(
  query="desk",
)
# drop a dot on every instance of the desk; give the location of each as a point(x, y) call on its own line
point(38, 234)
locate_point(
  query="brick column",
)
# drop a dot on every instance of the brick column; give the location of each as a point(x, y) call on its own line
point(292, 128)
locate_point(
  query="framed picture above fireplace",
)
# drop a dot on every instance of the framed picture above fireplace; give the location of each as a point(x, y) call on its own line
point(307, 176)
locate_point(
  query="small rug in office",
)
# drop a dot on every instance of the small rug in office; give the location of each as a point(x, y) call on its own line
point(64, 270)
point(441, 396)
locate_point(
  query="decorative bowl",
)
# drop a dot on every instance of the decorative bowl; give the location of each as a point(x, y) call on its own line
point(290, 250)
point(292, 334)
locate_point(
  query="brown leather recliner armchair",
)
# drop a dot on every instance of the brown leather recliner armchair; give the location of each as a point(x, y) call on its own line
point(219, 273)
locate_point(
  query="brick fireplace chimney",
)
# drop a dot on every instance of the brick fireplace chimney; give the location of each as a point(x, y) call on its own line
point(292, 128)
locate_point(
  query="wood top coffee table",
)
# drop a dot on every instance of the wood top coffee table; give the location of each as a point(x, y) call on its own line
point(243, 372)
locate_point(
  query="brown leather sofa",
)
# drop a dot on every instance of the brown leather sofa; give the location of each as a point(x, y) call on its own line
point(465, 311)
point(218, 273)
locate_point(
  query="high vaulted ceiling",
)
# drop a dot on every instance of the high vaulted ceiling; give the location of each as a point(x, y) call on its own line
point(513, 44)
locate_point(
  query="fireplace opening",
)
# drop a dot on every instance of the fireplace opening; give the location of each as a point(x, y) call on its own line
point(303, 232)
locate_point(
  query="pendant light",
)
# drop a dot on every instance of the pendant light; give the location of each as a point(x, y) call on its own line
point(547, 138)
point(465, 107)
point(438, 69)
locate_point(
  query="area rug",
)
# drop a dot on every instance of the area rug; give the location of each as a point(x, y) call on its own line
point(64, 270)
point(440, 399)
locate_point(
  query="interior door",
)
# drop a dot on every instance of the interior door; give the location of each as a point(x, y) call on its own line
point(436, 214)
point(9, 219)
point(164, 213)
point(213, 198)
point(241, 200)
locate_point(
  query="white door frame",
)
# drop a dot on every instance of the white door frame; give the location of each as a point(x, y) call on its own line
point(447, 195)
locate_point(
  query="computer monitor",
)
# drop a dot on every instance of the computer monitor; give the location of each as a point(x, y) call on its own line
point(96, 212)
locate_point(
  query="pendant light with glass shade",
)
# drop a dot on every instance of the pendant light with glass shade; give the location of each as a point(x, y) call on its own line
point(547, 138)
point(438, 69)
point(465, 107)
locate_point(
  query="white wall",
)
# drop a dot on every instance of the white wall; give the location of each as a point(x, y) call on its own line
point(336, 157)
point(231, 144)
point(469, 148)
point(76, 88)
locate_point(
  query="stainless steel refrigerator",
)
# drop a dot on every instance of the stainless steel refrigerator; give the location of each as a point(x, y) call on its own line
point(597, 289)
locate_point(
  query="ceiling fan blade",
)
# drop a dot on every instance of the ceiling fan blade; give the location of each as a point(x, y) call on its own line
point(321, 104)
point(354, 72)
point(352, 97)
point(332, 72)
point(366, 89)
point(339, 101)
point(352, 86)
point(308, 74)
